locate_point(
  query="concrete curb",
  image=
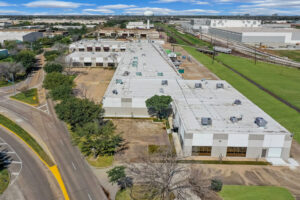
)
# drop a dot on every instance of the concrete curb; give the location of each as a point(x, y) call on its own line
point(54, 169)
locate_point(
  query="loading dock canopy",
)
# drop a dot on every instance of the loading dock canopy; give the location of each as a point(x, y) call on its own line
point(80, 47)
point(75, 59)
point(87, 60)
point(114, 47)
point(106, 46)
point(122, 47)
point(99, 60)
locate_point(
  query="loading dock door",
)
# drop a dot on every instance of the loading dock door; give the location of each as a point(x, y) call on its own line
point(274, 153)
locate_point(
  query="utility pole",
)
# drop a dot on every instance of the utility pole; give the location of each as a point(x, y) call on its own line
point(13, 81)
point(255, 54)
point(213, 58)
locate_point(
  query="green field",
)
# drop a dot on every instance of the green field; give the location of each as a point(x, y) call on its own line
point(28, 96)
point(26, 137)
point(293, 55)
point(237, 192)
point(4, 180)
point(281, 80)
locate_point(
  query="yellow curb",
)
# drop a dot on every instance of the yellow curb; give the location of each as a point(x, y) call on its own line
point(54, 170)
point(23, 102)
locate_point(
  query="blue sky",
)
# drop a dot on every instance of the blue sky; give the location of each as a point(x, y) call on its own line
point(159, 7)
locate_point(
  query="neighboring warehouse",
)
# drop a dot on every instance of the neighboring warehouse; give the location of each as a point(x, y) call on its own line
point(258, 35)
point(203, 25)
point(20, 35)
point(128, 33)
point(139, 25)
point(211, 117)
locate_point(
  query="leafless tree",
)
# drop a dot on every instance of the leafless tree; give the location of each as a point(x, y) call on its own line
point(9, 70)
point(83, 90)
point(161, 177)
point(60, 47)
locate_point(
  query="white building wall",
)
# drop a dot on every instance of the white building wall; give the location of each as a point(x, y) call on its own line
point(273, 141)
point(238, 140)
point(202, 139)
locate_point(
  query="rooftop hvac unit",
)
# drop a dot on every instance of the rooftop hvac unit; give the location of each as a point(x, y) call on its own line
point(115, 92)
point(198, 85)
point(126, 73)
point(119, 81)
point(220, 85)
point(234, 119)
point(205, 121)
point(138, 73)
point(160, 73)
point(161, 90)
point(237, 102)
point(261, 122)
point(164, 82)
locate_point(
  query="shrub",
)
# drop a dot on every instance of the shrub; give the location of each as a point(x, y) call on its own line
point(55, 79)
point(216, 185)
point(51, 55)
point(27, 58)
point(159, 105)
point(53, 67)
point(61, 92)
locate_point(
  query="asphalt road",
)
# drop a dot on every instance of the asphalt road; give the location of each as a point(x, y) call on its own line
point(78, 177)
point(34, 180)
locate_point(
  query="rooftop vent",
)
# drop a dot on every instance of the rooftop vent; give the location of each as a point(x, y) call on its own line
point(205, 121)
point(119, 81)
point(160, 73)
point(237, 102)
point(220, 85)
point(234, 119)
point(126, 73)
point(138, 73)
point(198, 85)
point(115, 92)
point(261, 122)
point(164, 82)
point(161, 90)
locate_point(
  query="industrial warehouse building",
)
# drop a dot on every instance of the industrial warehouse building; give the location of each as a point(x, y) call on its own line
point(258, 35)
point(210, 116)
point(20, 35)
point(128, 33)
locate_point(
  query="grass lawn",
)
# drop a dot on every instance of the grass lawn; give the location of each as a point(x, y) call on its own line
point(237, 192)
point(26, 137)
point(101, 162)
point(5, 83)
point(282, 81)
point(28, 96)
point(4, 180)
point(291, 54)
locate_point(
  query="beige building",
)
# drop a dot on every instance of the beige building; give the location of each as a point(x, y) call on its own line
point(128, 33)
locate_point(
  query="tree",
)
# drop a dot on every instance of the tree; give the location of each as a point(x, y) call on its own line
point(53, 67)
point(55, 79)
point(118, 175)
point(160, 177)
point(159, 105)
point(78, 111)
point(51, 55)
point(61, 92)
point(27, 58)
point(10, 70)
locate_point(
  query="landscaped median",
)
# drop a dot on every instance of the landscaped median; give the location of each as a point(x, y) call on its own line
point(36, 148)
point(4, 180)
point(29, 97)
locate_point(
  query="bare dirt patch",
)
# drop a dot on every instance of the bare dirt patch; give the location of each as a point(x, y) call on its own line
point(193, 70)
point(139, 133)
point(92, 83)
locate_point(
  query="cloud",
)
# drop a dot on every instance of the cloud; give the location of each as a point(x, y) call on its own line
point(4, 4)
point(54, 4)
point(99, 10)
point(183, 1)
point(116, 6)
point(167, 11)
point(11, 12)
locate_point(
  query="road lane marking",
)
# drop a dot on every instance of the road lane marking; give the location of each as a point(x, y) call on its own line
point(90, 198)
point(73, 166)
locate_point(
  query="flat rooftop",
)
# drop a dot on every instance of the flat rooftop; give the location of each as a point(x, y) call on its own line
point(260, 29)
